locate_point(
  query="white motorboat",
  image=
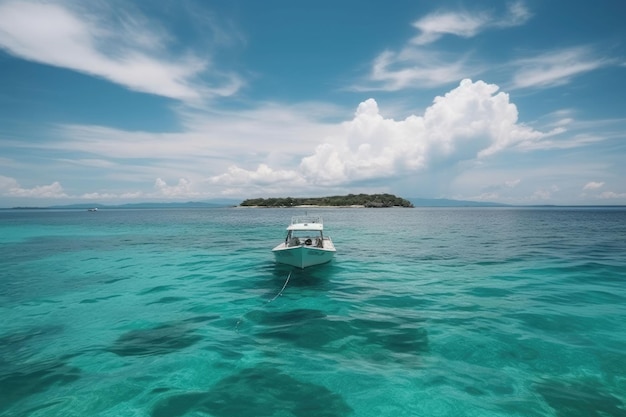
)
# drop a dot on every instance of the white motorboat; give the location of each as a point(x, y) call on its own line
point(305, 244)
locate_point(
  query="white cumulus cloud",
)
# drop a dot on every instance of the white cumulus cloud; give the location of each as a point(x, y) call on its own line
point(181, 189)
point(470, 122)
point(11, 188)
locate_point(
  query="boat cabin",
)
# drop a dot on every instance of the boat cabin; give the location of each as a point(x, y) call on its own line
point(305, 231)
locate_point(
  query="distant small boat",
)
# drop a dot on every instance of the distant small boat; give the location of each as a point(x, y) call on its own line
point(93, 209)
point(305, 244)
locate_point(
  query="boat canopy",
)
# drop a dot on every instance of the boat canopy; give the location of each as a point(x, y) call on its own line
point(306, 223)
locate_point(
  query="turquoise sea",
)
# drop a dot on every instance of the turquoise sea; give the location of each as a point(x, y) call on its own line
point(423, 312)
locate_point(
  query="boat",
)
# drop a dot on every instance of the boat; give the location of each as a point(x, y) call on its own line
point(305, 244)
point(93, 209)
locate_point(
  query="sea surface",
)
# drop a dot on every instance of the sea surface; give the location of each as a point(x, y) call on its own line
point(423, 312)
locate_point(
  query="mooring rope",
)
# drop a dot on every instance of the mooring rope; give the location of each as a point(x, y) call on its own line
point(281, 290)
point(268, 301)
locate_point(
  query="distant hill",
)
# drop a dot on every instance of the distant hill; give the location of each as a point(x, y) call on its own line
point(444, 202)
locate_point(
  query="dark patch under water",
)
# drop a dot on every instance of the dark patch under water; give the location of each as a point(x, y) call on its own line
point(167, 300)
point(159, 340)
point(19, 381)
point(305, 328)
point(579, 399)
point(18, 339)
point(312, 329)
point(262, 391)
point(201, 319)
point(158, 288)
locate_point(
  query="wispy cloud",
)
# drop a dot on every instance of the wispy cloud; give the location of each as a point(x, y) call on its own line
point(593, 185)
point(555, 68)
point(611, 195)
point(208, 144)
point(414, 68)
point(125, 49)
point(418, 64)
point(434, 26)
point(466, 24)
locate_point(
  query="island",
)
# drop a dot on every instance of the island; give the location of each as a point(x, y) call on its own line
point(350, 200)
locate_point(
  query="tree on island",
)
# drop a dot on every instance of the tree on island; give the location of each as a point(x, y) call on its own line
point(366, 200)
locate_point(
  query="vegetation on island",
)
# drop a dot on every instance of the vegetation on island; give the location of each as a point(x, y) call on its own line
point(365, 200)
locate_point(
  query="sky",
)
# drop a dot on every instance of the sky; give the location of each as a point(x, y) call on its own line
point(110, 102)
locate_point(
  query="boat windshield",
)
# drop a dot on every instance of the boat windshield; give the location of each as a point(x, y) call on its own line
point(304, 237)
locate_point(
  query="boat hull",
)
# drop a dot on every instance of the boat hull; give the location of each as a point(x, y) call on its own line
point(302, 256)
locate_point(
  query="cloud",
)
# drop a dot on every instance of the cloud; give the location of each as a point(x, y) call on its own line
point(517, 15)
point(264, 180)
point(608, 195)
point(208, 144)
point(593, 185)
point(393, 71)
point(262, 176)
point(492, 190)
point(554, 68)
point(181, 189)
point(604, 195)
point(417, 66)
point(125, 51)
point(470, 122)
point(9, 187)
point(512, 183)
point(7, 183)
point(277, 132)
point(99, 196)
point(90, 162)
point(277, 150)
point(434, 26)
point(466, 24)
point(545, 193)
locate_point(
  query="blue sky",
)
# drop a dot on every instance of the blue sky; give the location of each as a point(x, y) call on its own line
point(517, 102)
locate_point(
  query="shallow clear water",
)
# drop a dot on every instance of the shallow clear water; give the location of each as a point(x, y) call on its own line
point(423, 312)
